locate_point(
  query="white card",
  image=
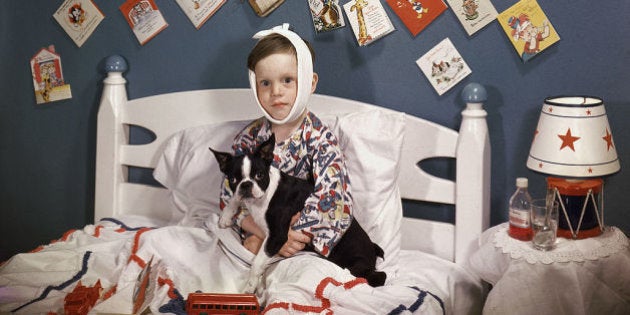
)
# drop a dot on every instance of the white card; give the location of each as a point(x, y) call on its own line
point(443, 66)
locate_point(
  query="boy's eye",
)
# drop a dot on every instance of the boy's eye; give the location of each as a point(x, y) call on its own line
point(264, 83)
point(288, 80)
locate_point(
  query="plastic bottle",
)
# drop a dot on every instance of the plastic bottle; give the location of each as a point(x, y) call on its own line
point(520, 208)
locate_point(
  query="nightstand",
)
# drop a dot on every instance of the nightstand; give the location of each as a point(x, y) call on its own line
point(588, 276)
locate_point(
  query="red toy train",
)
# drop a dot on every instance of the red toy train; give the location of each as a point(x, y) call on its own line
point(215, 303)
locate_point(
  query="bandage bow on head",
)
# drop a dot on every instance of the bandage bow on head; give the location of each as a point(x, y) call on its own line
point(304, 73)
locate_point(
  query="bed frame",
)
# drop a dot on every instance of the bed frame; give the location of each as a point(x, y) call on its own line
point(168, 113)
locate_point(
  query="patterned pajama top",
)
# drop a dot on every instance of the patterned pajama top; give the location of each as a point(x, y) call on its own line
point(311, 149)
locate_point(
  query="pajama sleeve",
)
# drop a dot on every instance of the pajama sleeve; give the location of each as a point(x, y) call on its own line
point(328, 210)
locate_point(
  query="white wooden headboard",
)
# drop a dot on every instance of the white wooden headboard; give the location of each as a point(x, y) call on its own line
point(168, 113)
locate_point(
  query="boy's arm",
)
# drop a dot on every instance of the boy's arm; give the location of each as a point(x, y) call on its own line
point(248, 225)
point(328, 210)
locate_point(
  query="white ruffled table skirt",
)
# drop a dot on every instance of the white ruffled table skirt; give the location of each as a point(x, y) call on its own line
point(590, 276)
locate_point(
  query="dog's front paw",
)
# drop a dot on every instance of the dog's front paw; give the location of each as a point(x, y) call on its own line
point(250, 286)
point(225, 221)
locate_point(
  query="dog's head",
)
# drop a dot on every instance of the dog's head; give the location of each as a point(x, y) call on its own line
point(248, 174)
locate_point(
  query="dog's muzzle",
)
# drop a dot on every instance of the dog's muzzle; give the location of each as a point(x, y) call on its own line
point(245, 189)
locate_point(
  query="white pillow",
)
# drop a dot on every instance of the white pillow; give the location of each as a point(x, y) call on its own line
point(370, 140)
point(372, 145)
point(190, 172)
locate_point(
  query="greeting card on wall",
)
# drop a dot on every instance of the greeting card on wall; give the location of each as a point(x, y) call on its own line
point(264, 7)
point(79, 18)
point(48, 76)
point(473, 14)
point(416, 15)
point(443, 66)
point(368, 19)
point(199, 11)
point(144, 18)
point(528, 28)
point(326, 14)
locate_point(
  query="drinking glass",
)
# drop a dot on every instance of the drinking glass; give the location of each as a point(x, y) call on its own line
point(544, 223)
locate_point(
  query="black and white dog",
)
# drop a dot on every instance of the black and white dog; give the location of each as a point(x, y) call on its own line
point(272, 198)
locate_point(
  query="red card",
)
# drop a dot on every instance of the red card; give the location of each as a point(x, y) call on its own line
point(416, 15)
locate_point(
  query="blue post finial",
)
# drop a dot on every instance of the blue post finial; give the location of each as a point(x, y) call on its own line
point(474, 93)
point(115, 63)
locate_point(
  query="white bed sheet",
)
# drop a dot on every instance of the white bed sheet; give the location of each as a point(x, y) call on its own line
point(187, 259)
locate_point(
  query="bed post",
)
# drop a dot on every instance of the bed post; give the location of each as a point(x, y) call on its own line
point(472, 205)
point(110, 134)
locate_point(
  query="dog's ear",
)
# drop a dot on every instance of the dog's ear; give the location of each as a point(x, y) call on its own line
point(223, 158)
point(265, 150)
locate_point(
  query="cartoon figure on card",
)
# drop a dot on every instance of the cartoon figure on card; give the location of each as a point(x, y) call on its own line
point(358, 5)
point(140, 11)
point(329, 15)
point(523, 29)
point(470, 9)
point(76, 15)
point(417, 6)
point(446, 70)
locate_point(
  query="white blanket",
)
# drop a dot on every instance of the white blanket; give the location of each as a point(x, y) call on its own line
point(186, 260)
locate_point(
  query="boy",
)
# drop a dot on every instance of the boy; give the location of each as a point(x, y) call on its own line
point(282, 78)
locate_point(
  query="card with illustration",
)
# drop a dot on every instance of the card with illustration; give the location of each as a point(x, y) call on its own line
point(79, 18)
point(528, 28)
point(368, 20)
point(443, 66)
point(473, 14)
point(264, 7)
point(48, 76)
point(327, 15)
point(415, 14)
point(144, 18)
point(199, 11)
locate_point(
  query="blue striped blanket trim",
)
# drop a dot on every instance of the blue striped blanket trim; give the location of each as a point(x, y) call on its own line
point(416, 305)
point(122, 224)
point(75, 278)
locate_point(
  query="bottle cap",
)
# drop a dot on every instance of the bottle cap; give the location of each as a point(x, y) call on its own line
point(521, 182)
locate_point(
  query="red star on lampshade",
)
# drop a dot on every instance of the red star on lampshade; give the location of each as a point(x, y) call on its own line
point(568, 140)
point(608, 139)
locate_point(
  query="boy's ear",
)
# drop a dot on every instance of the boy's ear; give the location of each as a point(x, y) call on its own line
point(265, 150)
point(314, 84)
point(223, 159)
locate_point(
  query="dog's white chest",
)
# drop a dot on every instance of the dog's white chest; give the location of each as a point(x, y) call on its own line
point(258, 207)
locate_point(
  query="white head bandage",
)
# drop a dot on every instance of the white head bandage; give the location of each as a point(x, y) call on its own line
point(304, 73)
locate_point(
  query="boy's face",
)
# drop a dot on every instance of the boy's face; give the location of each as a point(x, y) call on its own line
point(276, 83)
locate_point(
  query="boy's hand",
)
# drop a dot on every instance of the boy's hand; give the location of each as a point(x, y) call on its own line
point(296, 240)
point(252, 243)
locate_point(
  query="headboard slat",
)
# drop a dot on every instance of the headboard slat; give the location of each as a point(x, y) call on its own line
point(424, 139)
point(436, 237)
point(145, 200)
point(136, 155)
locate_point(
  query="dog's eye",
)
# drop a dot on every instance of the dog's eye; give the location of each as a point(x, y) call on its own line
point(232, 180)
point(258, 176)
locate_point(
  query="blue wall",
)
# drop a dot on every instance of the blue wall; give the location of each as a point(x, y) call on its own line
point(47, 151)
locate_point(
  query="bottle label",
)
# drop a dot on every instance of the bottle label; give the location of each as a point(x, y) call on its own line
point(519, 218)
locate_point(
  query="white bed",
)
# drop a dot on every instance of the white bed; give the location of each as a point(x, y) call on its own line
point(425, 260)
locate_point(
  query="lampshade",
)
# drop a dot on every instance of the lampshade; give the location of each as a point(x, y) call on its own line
point(573, 139)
